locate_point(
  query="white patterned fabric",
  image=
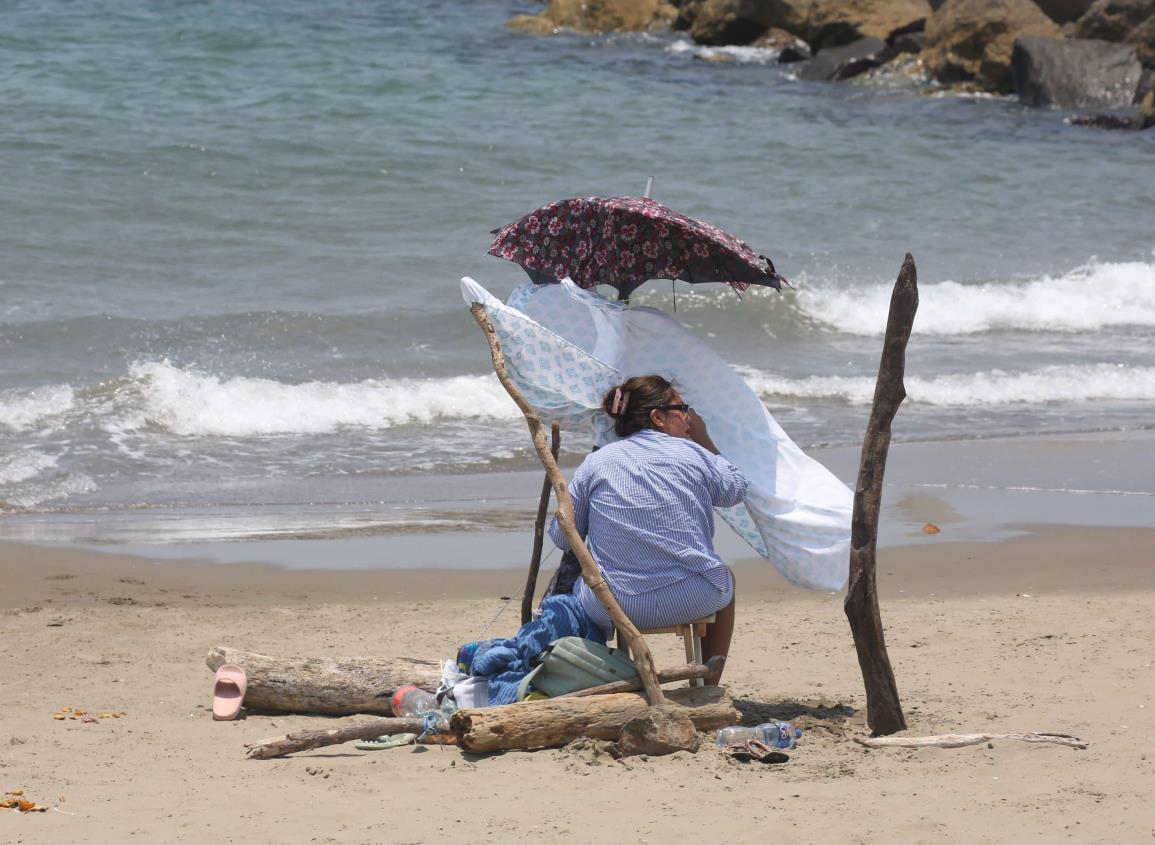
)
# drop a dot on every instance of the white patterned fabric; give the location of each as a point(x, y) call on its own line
point(565, 347)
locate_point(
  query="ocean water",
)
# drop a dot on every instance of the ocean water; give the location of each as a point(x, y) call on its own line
point(232, 235)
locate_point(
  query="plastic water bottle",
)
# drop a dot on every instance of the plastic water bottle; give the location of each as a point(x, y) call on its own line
point(775, 734)
point(415, 702)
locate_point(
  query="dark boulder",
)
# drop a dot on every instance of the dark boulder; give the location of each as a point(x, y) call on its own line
point(744, 21)
point(1064, 11)
point(836, 63)
point(1113, 20)
point(970, 41)
point(1075, 73)
point(908, 42)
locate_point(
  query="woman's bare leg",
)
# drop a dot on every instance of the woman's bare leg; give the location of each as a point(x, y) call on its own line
point(718, 635)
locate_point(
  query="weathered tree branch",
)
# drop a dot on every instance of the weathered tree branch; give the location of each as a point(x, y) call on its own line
point(642, 657)
point(883, 708)
point(539, 530)
point(280, 746)
point(323, 685)
point(556, 721)
point(961, 740)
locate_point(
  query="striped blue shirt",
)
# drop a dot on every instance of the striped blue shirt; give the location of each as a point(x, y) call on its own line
point(645, 505)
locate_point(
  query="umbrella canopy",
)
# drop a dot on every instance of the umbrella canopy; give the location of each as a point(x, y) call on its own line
point(623, 241)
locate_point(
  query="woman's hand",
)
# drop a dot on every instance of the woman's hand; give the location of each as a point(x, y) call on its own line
point(698, 432)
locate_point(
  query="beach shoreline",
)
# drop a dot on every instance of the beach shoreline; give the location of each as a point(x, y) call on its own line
point(1049, 630)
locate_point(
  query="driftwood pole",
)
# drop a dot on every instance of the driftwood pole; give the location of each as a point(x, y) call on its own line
point(883, 708)
point(539, 530)
point(643, 658)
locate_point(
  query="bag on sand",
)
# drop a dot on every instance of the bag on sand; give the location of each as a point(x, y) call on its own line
point(571, 664)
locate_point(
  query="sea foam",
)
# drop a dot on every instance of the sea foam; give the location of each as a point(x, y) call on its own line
point(1089, 298)
point(23, 409)
point(188, 402)
point(1065, 383)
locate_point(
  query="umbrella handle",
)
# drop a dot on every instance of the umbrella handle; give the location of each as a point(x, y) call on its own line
point(649, 186)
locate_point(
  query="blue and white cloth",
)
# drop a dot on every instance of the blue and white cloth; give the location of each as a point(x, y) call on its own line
point(565, 347)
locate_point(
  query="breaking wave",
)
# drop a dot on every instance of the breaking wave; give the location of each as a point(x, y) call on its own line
point(1071, 383)
point(23, 409)
point(187, 402)
point(1092, 297)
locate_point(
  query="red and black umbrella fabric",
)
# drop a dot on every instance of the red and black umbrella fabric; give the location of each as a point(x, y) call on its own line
point(623, 241)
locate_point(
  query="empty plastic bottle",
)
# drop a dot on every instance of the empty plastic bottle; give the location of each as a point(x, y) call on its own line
point(415, 702)
point(775, 734)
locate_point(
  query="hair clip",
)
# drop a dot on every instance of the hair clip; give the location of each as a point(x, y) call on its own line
point(620, 401)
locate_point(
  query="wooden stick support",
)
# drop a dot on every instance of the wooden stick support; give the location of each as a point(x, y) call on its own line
point(883, 708)
point(642, 656)
point(539, 530)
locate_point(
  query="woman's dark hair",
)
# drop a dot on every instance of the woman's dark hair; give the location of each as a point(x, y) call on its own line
point(635, 398)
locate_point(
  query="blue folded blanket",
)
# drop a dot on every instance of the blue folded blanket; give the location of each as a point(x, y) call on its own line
point(505, 662)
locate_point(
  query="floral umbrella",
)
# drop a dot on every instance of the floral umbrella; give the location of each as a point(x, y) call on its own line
point(623, 241)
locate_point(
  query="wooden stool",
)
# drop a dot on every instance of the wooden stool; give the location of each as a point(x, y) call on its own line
point(691, 634)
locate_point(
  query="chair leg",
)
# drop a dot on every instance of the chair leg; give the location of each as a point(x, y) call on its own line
point(698, 631)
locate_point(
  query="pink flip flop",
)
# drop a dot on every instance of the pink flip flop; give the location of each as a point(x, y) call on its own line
point(228, 692)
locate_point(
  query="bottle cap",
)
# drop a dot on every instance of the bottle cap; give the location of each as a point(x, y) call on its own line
point(401, 692)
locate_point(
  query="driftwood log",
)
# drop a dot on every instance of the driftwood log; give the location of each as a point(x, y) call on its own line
point(883, 708)
point(539, 529)
point(961, 740)
point(333, 687)
point(280, 746)
point(642, 656)
point(556, 721)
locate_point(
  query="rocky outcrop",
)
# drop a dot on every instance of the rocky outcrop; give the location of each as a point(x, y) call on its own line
point(594, 16)
point(1075, 73)
point(836, 63)
point(1143, 37)
point(744, 21)
point(833, 23)
point(971, 40)
point(790, 47)
point(1113, 20)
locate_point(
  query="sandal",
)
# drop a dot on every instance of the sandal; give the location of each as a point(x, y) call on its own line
point(754, 750)
point(386, 741)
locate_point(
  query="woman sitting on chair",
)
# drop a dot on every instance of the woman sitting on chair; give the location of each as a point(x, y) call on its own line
point(645, 507)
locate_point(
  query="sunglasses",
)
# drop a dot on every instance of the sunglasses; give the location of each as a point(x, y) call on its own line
point(681, 406)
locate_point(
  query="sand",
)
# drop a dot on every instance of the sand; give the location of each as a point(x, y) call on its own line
point(1051, 631)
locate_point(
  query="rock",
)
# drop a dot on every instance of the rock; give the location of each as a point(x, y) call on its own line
point(1109, 121)
point(790, 47)
point(908, 42)
point(660, 730)
point(845, 62)
point(597, 16)
point(834, 23)
point(1143, 37)
point(971, 40)
point(1064, 11)
point(1075, 73)
point(687, 13)
point(743, 21)
point(1113, 20)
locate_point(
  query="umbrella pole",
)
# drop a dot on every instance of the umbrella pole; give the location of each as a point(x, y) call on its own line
point(642, 656)
point(539, 531)
point(883, 708)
